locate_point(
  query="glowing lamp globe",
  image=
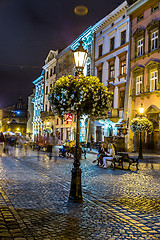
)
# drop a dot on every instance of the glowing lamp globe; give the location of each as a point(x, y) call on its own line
point(80, 57)
point(141, 109)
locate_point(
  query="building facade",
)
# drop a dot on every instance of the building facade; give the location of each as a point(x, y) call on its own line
point(112, 66)
point(49, 68)
point(29, 132)
point(145, 68)
point(14, 118)
point(38, 102)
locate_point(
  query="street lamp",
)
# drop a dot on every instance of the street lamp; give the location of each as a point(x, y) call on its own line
point(141, 110)
point(80, 57)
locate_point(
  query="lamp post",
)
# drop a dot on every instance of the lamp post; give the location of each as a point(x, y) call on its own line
point(141, 110)
point(80, 57)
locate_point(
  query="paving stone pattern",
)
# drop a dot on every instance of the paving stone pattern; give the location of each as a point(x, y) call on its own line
point(117, 204)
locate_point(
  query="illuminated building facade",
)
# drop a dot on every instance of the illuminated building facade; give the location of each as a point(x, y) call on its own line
point(29, 132)
point(47, 115)
point(112, 66)
point(145, 68)
point(38, 106)
point(14, 118)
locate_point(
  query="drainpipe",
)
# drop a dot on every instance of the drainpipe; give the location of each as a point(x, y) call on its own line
point(127, 100)
point(128, 76)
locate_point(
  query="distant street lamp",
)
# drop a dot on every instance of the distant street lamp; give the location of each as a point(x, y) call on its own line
point(80, 57)
point(141, 110)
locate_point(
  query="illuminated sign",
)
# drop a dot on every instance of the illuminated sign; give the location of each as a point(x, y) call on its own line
point(69, 117)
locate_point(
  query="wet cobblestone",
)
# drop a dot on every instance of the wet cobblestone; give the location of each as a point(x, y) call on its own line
point(118, 204)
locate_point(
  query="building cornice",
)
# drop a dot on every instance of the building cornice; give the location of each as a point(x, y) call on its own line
point(75, 43)
point(47, 65)
point(112, 32)
point(100, 40)
point(136, 6)
point(111, 16)
point(123, 25)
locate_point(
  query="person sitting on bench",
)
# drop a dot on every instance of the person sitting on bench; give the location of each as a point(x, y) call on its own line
point(101, 154)
point(110, 155)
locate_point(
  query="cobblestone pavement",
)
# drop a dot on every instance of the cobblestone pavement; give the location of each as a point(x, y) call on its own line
point(117, 204)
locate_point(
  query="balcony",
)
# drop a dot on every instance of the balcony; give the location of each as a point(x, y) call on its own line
point(114, 113)
point(47, 114)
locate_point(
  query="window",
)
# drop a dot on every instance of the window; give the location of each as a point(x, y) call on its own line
point(154, 8)
point(123, 37)
point(153, 80)
point(47, 75)
point(61, 133)
point(88, 69)
point(121, 99)
point(62, 121)
point(100, 33)
point(46, 107)
point(140, 18)
point(112, 24)
point(140, 44)
point(51, 72)
point(99, 73)
point(46, 90)
point(123, 67)
point(57, 121)
point(89, 48)
point(100, 50)
point(111, 72)
point(112, 43)
point(138, 84)
point(54, 70)
point(123, 16)
point(154, 40)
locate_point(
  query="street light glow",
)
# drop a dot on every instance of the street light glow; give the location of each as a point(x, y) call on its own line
point(141, 109)
point(80, 57)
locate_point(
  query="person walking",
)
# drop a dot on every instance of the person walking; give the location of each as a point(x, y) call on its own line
point(1, 143)
point(12, 144)
point(6, 144)
point(91, 143)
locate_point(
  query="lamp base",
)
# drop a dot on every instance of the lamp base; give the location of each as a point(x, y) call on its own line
point(76, 186)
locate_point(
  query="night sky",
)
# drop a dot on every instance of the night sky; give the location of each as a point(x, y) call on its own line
point(30, 29)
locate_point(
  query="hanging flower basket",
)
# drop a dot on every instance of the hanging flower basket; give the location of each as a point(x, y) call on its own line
point(141, 124)
point(47, 130)
point(87, 94)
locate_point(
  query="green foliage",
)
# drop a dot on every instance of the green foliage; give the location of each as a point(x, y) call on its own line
point(141, 124)
point(87, 94)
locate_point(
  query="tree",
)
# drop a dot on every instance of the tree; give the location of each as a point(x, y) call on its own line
point(87, 95)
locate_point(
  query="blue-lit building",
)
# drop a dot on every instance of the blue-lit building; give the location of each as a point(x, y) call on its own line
point(38, 102)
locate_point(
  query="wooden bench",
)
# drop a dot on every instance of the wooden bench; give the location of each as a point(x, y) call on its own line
point(124, 157)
